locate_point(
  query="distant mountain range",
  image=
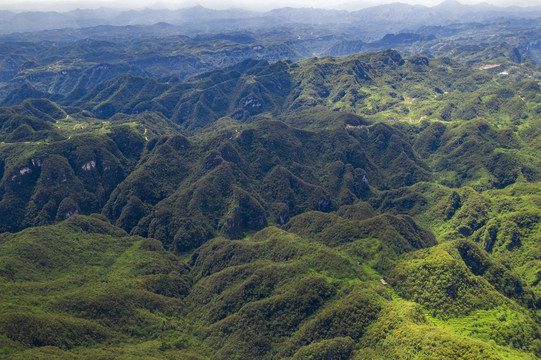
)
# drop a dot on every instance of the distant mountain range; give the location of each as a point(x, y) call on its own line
point(63, 60)
point(202, 19)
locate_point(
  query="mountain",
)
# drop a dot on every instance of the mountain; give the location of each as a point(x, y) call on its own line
point(447, 12)
point(36, 20)
point(315, 94)
point(397, 13)
point(252, 89)
point(332, 314)
point(185, 192)
point(62, 61)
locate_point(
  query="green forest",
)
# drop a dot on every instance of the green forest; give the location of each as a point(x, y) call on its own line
point(378, 205)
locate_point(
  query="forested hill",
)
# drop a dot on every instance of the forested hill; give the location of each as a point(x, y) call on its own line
point(375, 206)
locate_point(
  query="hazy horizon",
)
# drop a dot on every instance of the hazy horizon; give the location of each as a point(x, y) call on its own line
point(67, 5)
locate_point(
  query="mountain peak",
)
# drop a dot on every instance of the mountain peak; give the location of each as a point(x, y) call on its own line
point(450, 4)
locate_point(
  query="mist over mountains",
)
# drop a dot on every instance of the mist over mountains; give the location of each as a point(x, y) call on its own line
point(202, 19)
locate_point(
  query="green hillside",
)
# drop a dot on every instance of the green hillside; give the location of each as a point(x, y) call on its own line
point(373, 206)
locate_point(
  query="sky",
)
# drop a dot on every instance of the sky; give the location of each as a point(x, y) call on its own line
point(223, 4)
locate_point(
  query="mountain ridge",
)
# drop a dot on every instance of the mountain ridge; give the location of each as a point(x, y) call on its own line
point(22, 21)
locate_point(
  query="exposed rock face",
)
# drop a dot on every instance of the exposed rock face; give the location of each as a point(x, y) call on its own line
point(251, 101)
point(91, 165)
point(71, 213)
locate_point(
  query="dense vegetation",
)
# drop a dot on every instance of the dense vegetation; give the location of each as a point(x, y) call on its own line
point(374, 206)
